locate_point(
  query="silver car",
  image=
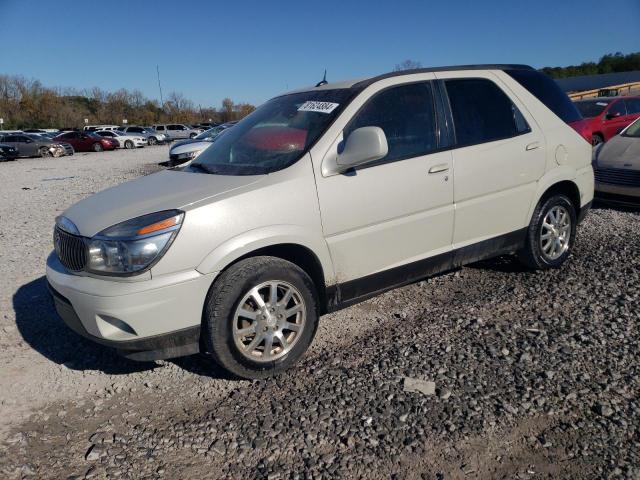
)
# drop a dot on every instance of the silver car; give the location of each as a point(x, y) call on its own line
point(175, 131)
point(150, 134)
point(617, 167)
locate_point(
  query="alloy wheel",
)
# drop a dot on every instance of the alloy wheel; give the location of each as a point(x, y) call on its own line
point(555, 233)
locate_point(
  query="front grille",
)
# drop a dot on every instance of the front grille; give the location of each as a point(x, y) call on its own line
point(618, 176)
point(70, 249)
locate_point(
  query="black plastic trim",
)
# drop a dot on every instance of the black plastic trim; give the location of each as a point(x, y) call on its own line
point(355, 291)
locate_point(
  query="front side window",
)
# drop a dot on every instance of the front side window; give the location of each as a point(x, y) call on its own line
point(633, 130)
point(617, 109)
point(482, 112)
point(406, 114)
point(174, 127)
point(275, 135)
point(160, 127)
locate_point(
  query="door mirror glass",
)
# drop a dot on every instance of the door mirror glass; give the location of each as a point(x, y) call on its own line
point(612, 115)
point(363, 145)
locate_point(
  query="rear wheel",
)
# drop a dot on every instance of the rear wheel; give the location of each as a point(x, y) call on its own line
point(97, 147)
point(596, 139)
point(260, 317)
point(551, 234)
point(128, 144)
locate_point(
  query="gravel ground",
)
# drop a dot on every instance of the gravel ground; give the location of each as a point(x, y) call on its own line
point(486, 372)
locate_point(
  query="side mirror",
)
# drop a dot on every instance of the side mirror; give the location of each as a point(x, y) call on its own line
point(611, 116)
point(364, 145)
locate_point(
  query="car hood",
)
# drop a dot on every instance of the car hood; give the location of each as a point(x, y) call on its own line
point(196, 146)
point(166, 190)
point(620, 152)
point(187, 142)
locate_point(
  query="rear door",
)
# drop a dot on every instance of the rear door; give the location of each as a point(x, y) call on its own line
point(397, 210)
point(633, 109)
point(498, 159)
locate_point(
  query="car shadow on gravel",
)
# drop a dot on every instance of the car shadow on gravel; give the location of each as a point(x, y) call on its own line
point(504, 264)
point(204, 366)
point(42, 328)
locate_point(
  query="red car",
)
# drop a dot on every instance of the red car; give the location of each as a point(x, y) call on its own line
point(87, 141)
point(607, 116)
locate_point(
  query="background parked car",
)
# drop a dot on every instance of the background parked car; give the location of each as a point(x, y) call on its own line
point(7, 152)
point(150, 134)
point(125, 140)
point(34, 145)
point(186, 150)
point(607, 116)
point(87, 141)
point(174, 131)
point(616, 165)
point(95, 128)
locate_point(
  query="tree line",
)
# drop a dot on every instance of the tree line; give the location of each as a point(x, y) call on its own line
point(609, 63)
point(26, 103)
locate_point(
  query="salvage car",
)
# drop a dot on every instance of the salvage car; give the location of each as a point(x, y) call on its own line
point(617, 167)
point(317, 200)
point(125, 140)
point(7, 152)
point(87, 141)
point(186, 150)
point(608, 116)
point(34, 145)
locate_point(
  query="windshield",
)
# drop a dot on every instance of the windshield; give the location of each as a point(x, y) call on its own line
point(275, 135)
point(590, 109)
point(633, 130)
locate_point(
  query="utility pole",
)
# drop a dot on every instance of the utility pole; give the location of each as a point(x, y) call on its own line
point(160, 87)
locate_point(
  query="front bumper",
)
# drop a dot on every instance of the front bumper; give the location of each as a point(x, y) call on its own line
point(149, 319)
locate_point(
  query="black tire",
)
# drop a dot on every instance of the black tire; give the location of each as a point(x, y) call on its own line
point(97, 147)
point(152, 140)
point(193, 135)
point(596, 139)
point(128, 144)
point(222, 301)
point(532, 254)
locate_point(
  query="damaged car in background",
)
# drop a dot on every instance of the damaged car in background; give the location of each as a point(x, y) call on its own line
point(186, 150)
point(34, 145)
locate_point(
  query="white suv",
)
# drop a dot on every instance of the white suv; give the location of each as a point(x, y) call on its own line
point(319, 199)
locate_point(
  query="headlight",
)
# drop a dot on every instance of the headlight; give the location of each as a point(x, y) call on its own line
point(134, 245)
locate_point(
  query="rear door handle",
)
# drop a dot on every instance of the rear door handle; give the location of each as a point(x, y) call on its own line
point(532, 146)
point(443, 167)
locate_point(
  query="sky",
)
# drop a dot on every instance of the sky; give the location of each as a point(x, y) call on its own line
point(252, 50)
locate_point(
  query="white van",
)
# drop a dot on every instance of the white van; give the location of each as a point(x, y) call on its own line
point(319, 199)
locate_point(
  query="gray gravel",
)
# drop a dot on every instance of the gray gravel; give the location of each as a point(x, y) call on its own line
point(487, 372)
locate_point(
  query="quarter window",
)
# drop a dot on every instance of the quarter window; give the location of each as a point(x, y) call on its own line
point(406, 115)
point(482, 112)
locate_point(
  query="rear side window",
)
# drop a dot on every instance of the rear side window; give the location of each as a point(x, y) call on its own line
point(548, 92)
point(406, 115)
point(633, 105)
point(482, 112)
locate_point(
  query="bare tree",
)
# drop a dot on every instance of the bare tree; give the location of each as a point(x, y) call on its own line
point(407, 65)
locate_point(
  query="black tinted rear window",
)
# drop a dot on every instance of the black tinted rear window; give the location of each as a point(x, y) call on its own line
point(548, 92)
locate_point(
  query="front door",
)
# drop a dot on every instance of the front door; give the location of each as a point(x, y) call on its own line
point(397, 210)
point(614, 120)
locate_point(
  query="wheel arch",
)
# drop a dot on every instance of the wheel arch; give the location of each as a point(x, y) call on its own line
point(557, 185)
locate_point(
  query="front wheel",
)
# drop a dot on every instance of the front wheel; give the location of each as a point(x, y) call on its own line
point(260, 317)
point(128, 144)
point(97, 147)
point(551, 234)
point(152, 140)
point(44, 152)
point(596, 139)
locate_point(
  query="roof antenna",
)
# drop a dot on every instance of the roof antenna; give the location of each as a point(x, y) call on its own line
point(324, 79)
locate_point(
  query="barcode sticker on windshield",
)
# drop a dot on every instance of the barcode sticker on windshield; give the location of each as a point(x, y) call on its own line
point(320, 107)
point(602, 104)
